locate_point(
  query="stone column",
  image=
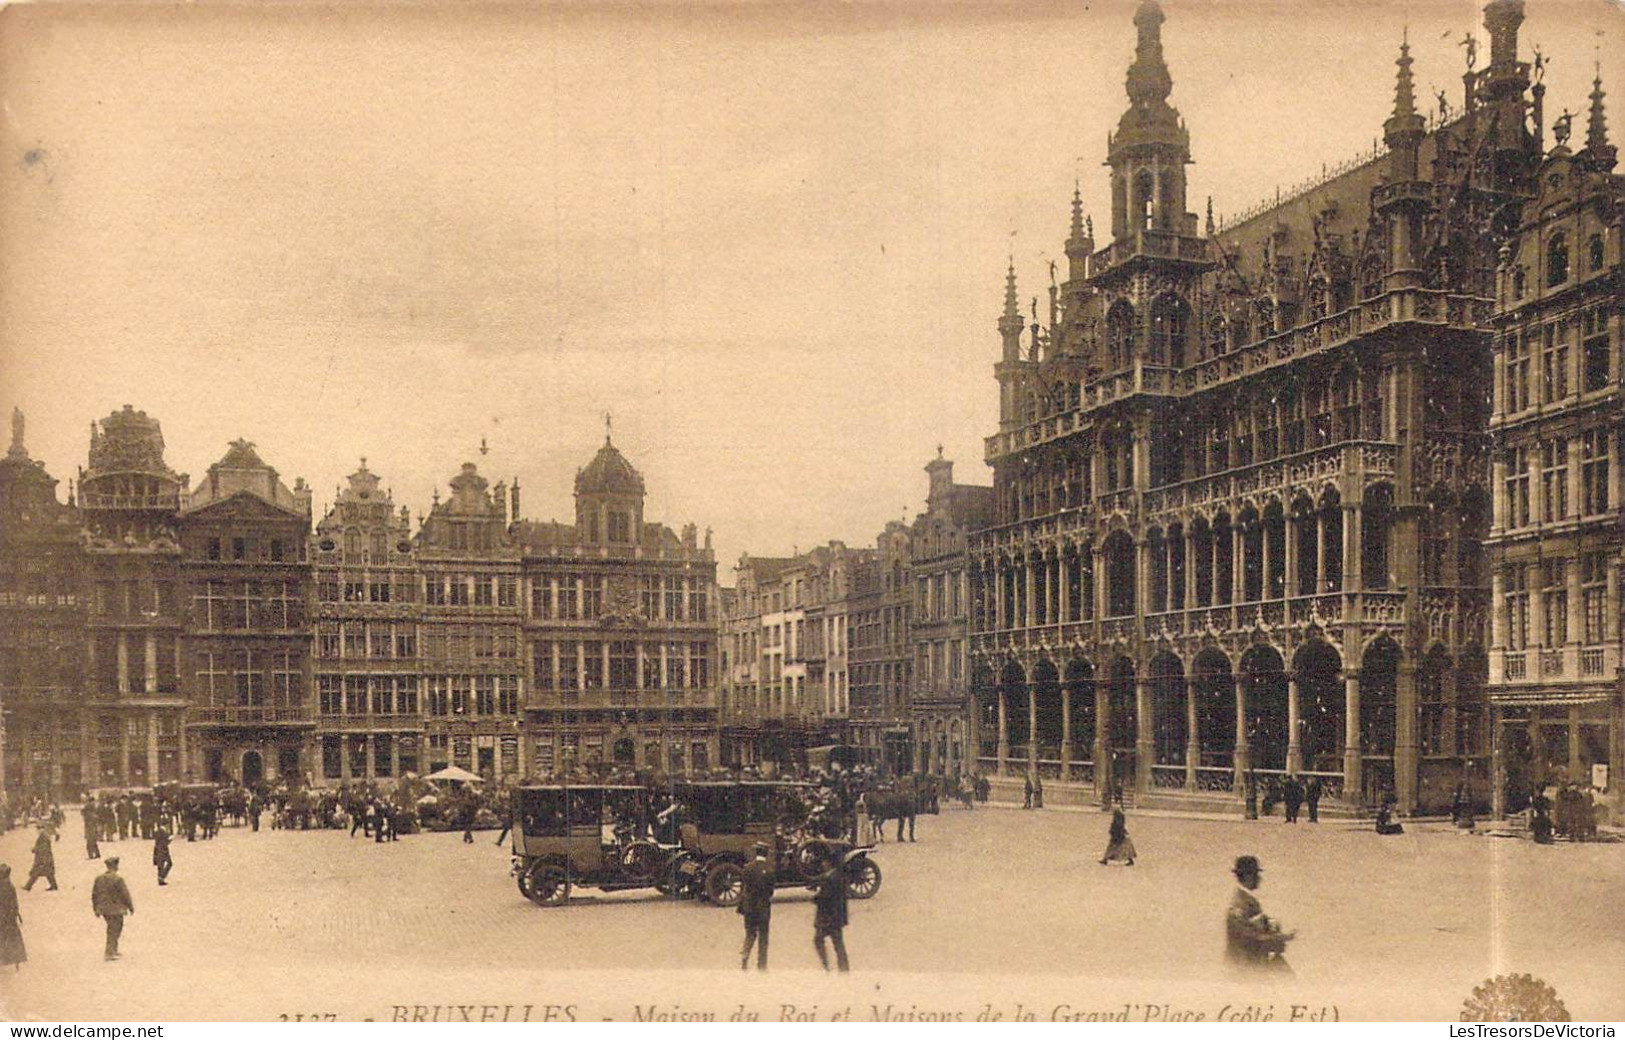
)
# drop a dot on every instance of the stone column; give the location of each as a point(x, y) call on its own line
point(1052, 595)
point(1103, 712)
point(1243, 755)
point(1289, 580)
point(1063, 595)
point(1066, 733)
point(1265, 587)
point(1030, 615)
point(1294, 723)
point(1238, 562)
point(1168, 574)
point(1004, 730)
point(1351, 733)
point(1190, 569)
point(123, 770)
point(152, 746)
point(1193, 735)
point(1320, 553)
point(1144, 744)
point(1098, 557)
point(149, 683)
point(1351, 548)
point(123, 664)
point(1214, 534)
point(1032, 728)
point(997, 585)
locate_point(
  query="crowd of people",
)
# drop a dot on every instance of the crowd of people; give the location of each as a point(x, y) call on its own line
point(1563, 810)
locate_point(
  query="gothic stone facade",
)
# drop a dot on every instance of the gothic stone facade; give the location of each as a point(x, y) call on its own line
point(1242, 474)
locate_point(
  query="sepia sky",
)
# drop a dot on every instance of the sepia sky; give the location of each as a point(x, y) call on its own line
point(770, 239)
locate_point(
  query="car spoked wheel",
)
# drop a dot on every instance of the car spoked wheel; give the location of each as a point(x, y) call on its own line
point(723, 884)
point(862, 878)
point(547, 885)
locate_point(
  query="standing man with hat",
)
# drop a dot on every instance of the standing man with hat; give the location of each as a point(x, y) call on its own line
point(1252, 940)
point(756, 906)
point(160, 854)
point(829, 915)
point(110, 900)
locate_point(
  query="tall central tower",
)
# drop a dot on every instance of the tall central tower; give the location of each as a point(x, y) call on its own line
point(1148, 153)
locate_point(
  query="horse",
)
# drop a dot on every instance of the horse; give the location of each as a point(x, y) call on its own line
point(893, 805)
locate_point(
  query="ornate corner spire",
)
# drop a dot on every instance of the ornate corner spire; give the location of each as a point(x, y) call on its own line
point(1077, 210)
point(1210, 226)
point(1405, 88)
point(1012, 306)
point(1597, 124)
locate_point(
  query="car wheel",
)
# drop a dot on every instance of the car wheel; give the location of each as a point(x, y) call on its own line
point(723, 884)
point(862, 878)
point(548, 885)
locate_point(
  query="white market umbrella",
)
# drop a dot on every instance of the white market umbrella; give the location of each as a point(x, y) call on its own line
point(456, 774)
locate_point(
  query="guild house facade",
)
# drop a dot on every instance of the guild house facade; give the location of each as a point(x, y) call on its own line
point(619, 617)
point(152, 632)
point(1244, 508)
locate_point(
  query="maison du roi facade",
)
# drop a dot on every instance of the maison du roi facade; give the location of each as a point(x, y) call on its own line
point(1333, 488)
point(152, 631)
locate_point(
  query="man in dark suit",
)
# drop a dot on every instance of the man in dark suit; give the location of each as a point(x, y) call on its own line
point(756, 906)
point(160, 854)
point(1311, 796)
point(93, 849)
point(1252, 940)
point(1294, 797)
point(110, 900)
point(829, 917)
point(44, 861)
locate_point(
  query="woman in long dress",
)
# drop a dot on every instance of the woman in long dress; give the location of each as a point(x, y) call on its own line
point(1120, 846)
point(11, 922)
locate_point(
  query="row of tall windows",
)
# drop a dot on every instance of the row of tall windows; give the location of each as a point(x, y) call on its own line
point(594, 664)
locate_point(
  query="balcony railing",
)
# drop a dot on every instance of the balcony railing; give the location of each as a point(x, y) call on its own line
point(1516, 666)
point(1377, 457)
point(1591, 660)
point(1426, 306)
point(250, 717)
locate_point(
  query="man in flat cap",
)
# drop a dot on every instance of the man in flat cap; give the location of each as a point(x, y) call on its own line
point(110, 900)
point(756, 906)
point(1252, 940)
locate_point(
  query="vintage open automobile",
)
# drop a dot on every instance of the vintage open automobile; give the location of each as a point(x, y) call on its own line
point(588, 835)
point(722, 821)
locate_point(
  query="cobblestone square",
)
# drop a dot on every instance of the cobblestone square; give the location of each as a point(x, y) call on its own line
point(282, 922)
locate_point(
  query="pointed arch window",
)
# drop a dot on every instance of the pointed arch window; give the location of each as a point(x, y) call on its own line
point(1120, 334)
point(1170, 328)
point(1317, 298)
point(1371, 278)
point(1143, 188)
point(1557, 260)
